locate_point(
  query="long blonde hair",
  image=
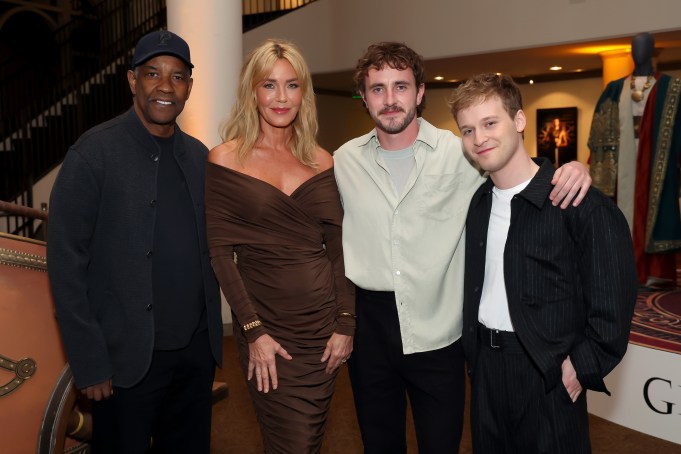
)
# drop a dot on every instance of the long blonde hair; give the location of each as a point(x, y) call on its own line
point(243, 123)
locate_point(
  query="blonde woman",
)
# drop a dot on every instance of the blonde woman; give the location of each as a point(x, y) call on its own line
point(274, 220)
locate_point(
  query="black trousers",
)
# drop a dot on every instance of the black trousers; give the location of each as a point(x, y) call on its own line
point(382, 377)
point(169, 411)
point(512, 413)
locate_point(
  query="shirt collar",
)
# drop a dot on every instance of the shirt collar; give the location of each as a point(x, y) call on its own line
point(536, 192)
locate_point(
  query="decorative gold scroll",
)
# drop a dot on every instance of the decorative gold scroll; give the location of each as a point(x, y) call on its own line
point(23, 260)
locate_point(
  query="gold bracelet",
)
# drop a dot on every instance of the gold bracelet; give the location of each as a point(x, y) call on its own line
point(347, 314)
point(251, 325)
point(81, 421)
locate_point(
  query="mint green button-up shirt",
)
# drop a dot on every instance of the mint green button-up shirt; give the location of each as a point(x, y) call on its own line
point(410, 243)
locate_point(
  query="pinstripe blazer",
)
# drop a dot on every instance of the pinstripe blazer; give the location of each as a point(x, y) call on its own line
point(570, 279)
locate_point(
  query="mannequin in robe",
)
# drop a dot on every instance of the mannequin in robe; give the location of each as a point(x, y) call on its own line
point(635, 144)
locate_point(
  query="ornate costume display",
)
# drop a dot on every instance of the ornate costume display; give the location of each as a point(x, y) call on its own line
point(643, 178)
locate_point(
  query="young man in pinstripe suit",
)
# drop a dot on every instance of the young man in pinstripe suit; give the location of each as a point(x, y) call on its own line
point(548, 293)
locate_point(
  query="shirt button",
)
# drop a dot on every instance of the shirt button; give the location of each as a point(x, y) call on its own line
point(482, 243)
point(154, 157)
point(152, 203)
point(397, 272)
point(150, 254)
point(149, 307)
point(476, 289)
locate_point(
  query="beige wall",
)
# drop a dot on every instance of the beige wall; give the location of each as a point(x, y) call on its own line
point(582, 94)
point(341, 119)
point(332, 34)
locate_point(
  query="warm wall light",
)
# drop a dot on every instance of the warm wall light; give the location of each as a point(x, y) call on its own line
point(556, 68)
point(531, 82)
point(600, 49)
point(616, 64)
point(439, 77)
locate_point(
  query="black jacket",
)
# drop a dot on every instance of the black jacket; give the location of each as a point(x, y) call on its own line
point(570, 279)
point(100, 250)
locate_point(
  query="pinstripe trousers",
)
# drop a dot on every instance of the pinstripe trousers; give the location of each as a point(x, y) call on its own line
point(511, 412)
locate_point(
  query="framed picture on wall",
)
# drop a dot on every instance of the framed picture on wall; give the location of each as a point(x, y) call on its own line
point(557, 134)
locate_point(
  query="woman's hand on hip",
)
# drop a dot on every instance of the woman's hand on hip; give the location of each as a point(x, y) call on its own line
point(261, 361)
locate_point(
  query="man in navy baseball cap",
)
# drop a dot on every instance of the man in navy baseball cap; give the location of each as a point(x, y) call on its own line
point(138, 309)
point(161, 42)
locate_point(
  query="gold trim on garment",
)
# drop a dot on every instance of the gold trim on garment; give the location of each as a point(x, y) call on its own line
point(659, 165)
point(604, 142)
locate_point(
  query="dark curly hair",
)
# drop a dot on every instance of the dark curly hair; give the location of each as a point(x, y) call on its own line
point(393, 55)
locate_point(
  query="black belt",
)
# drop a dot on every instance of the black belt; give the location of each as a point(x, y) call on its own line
point(499, 340)
point(374, 293)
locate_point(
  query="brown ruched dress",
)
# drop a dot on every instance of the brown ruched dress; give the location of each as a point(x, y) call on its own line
point(279, 260)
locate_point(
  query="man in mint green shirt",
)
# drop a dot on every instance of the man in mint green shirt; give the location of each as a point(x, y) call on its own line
point(406, 187)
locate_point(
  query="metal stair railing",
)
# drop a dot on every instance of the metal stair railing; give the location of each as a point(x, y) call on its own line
point(114, 26)
point(259, 12)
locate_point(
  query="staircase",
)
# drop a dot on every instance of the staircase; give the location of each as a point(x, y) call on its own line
point(41, 142)
point(42, 113)
point(39, 121)
point(259, 12)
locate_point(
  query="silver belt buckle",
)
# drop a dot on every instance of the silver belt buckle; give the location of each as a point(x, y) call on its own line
point(491, 339)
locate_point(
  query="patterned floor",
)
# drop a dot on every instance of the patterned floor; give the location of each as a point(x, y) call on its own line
point(657, 320)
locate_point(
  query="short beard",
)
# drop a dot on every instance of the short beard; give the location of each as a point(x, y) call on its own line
point(394, 127)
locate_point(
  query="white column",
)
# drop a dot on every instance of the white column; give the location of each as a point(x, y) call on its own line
point(212, 28)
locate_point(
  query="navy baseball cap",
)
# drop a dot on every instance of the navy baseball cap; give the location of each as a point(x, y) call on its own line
point(161, 42)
